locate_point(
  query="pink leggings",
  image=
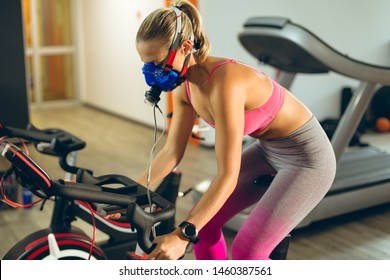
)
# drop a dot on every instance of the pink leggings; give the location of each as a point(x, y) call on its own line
point(305, 167)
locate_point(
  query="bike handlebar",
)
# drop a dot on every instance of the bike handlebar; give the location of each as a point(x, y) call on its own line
point(140, 219)
point(94, 189)
point(57, 142)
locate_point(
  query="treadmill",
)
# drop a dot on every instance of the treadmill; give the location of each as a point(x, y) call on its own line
point(363, 174)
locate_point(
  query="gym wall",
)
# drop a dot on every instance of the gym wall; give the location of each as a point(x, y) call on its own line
point(357, 28)
point(110, 70)
point(111, 77)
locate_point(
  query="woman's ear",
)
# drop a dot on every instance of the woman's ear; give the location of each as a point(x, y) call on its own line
point(187, 46)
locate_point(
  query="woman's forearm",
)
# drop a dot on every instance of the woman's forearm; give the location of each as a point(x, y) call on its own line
point(212, 201)
point(162, 165)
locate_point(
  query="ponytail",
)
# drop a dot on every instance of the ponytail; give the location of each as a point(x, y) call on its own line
point(201, 42)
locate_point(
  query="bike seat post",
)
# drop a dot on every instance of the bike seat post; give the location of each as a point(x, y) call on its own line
point(72, 162)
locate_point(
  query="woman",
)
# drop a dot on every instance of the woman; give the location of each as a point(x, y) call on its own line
point(237, 100)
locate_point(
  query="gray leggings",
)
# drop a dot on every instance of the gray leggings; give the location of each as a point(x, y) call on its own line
point(305, 167)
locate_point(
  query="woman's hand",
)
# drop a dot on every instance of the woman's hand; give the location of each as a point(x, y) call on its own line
point(169, 247)
point(115, 216)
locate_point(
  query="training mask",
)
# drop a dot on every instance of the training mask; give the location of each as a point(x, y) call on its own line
point(158, 76)
point(165, 78)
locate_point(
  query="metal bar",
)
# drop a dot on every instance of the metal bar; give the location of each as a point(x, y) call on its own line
point(286, 79)
point(352, 116)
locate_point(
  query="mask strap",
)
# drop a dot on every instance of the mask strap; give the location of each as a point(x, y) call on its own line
point(185, 66)
point(176, 40)
point(175, 45)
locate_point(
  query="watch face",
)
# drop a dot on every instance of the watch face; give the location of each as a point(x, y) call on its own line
point(190, 230)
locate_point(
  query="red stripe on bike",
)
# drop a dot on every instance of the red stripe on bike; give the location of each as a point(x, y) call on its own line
point(31, 166)
point(57, 235)
point(63, 242)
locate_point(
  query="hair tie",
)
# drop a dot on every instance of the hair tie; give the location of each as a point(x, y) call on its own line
point(197, 45)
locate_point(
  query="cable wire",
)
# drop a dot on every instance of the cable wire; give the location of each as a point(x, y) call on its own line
point(151, 156)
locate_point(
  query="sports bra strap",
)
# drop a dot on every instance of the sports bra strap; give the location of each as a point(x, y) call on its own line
point(218, 65)
point(188, 91)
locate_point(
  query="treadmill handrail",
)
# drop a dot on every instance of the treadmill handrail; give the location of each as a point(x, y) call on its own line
point(329, 58)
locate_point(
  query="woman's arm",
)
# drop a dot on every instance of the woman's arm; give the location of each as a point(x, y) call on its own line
point(227, 100)
point(170, 155)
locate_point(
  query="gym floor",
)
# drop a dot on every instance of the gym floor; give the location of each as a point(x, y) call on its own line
point(117, 145)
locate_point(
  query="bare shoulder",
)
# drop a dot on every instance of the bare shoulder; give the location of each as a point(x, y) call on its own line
point(180, 94)
point(235, 76)
point(232, 72)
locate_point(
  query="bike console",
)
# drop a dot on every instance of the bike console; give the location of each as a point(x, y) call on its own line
point(28, 172)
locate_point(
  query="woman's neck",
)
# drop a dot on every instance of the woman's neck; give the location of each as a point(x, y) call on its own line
point(197, 72)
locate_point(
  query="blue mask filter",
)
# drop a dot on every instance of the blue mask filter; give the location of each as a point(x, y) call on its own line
point(158, 76)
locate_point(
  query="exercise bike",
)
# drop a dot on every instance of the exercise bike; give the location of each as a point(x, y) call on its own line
point(62, 236)
point(86, 199)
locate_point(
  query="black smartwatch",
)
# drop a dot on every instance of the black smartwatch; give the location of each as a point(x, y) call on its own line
point(189, 231)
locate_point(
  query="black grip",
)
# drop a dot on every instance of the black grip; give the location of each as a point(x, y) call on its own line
point(65, 143)
point(128, 186)
point(144, 222)
point(83, 176)
point(89, 193)
point(62, 141)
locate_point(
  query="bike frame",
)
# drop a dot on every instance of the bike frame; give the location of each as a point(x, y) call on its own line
point(62, 240)
point(122, 236)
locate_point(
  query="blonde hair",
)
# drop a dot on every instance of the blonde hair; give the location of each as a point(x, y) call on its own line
point(161, 24)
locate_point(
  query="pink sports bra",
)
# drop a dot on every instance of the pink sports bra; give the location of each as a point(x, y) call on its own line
point(256, 119)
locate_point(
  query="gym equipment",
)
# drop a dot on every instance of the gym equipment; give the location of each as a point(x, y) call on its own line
point(88, 197)
point(363, 174)
point(62, 240)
